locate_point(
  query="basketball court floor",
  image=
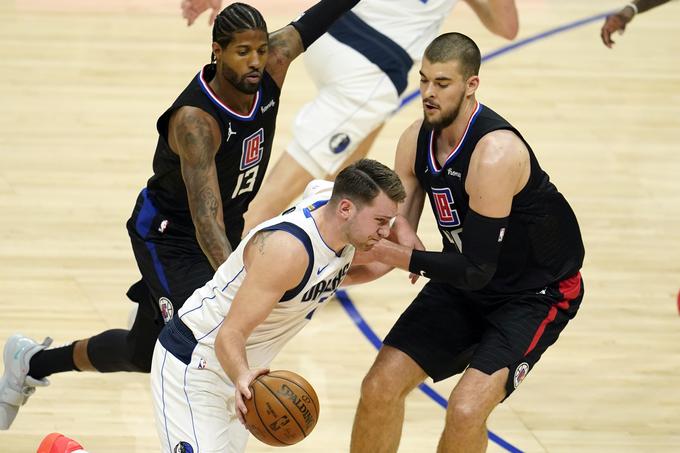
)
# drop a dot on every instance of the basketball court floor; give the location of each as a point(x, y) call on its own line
point(82, 84)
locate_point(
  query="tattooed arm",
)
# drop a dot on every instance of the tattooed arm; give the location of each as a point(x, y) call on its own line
point(274, 262)
point(195, 137)
point(284, 46)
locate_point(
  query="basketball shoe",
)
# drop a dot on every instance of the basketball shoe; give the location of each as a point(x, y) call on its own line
point(58, 443)
point(15, 385)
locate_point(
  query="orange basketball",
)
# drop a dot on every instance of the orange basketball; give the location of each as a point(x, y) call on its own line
point(283, 410)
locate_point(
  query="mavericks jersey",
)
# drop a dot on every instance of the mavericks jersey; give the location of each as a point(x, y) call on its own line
point(241, 160)
point(542, 243)
point(204, 312)
point(412, 24)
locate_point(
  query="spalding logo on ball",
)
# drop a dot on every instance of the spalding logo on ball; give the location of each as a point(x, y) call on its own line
point(283, 409)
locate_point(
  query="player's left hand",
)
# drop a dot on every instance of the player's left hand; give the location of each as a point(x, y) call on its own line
point(242, 390)
point(614, 23)
point(191, 9)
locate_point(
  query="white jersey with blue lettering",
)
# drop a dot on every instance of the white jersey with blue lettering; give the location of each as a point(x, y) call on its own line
point(410, 23)
point(204, 312)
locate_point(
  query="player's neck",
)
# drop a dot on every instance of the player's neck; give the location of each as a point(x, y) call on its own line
point(451, 135)
point(328, 229)
point(236, 99)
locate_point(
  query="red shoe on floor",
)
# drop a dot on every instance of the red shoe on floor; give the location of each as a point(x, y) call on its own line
point(58, 443)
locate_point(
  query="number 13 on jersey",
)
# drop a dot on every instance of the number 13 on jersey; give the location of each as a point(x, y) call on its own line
point(251, 155)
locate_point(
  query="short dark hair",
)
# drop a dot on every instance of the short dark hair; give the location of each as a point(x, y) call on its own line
point(233, 19)
point(363, 180)
point(455, 46)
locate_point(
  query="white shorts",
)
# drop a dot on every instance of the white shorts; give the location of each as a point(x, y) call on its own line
point(194, 404)
point(355, 96)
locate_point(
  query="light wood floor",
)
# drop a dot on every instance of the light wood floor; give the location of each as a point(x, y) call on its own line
point(81, 87)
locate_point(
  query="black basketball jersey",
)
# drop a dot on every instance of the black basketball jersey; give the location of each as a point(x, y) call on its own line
point(542, 243)
point(241, 159)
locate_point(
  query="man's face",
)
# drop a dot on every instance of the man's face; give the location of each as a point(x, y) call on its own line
point(242, 62)
point(442, 89)
point(371, 222)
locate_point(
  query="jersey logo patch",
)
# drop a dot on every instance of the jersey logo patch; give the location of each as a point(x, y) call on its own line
point(251, 153)
point(520, 373)
point(167, 310)
point(339, 142)
point(447, 216)
point(230, 132)
point(183, 447)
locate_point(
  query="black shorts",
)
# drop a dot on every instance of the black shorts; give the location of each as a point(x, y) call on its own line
point(445, 331)
point(170, 260)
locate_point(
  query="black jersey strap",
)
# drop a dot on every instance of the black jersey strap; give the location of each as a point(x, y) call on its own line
point(473, 269)
point(317, 20)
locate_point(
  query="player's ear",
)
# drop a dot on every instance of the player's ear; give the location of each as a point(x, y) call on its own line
point(346, 208)
point(471, 85)
point(217, 49)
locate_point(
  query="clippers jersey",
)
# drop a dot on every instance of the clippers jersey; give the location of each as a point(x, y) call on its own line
point(204, 312)
point(241, 160)
point(410, 23)
point(542, 243)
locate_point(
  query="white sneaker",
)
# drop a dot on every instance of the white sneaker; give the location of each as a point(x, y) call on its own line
point(15, 385)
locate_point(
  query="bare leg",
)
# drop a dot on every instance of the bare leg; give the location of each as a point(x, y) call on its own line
point(286, 181)
point(470, 404)
point(380, 414)
point(80, 357)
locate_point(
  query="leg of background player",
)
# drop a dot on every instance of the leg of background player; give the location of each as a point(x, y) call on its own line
point(287, 180)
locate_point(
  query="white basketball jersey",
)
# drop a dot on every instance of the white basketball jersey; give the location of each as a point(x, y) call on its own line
point(206, 309)
point(410, 23)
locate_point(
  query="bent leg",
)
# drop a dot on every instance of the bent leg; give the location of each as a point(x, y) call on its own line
point(380, 413)
point(470, 404)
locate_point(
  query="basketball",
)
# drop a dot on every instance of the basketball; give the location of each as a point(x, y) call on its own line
point(283, 409)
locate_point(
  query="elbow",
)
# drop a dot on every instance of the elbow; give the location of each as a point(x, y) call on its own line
point(478, 277)
point(509, 31)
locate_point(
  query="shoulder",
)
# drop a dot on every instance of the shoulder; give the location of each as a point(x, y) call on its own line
point(195, 117)
point(409, 138)
point(279, 246)
point(500, 146)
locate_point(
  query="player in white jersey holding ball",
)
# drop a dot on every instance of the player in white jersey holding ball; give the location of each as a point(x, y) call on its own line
point(360, 68)
point(229, 330)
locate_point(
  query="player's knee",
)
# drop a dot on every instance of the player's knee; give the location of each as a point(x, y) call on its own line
point(463, 413)
point(379, 388)
point(116, 350)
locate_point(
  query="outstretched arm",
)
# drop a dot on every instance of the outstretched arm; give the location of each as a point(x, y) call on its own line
point(498, 16)
point(617, 22)
point(195, 137)
point(191, 9)
point(290, 41)
point(262, 288)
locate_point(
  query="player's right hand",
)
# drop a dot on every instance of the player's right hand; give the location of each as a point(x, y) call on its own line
point(191, 9)
point(242, 390)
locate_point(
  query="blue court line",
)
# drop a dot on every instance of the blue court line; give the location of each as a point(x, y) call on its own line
point(342, 295)
point(520, 43)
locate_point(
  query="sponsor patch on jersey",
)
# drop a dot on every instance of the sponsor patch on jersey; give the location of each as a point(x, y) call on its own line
point(252, 151)
point(447, 215)
point(339, 142)
point(520, 373)
point(183, 447)
point(167, 310)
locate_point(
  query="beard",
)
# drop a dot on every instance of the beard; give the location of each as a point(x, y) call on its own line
point(446, 118)
point(240, 83)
